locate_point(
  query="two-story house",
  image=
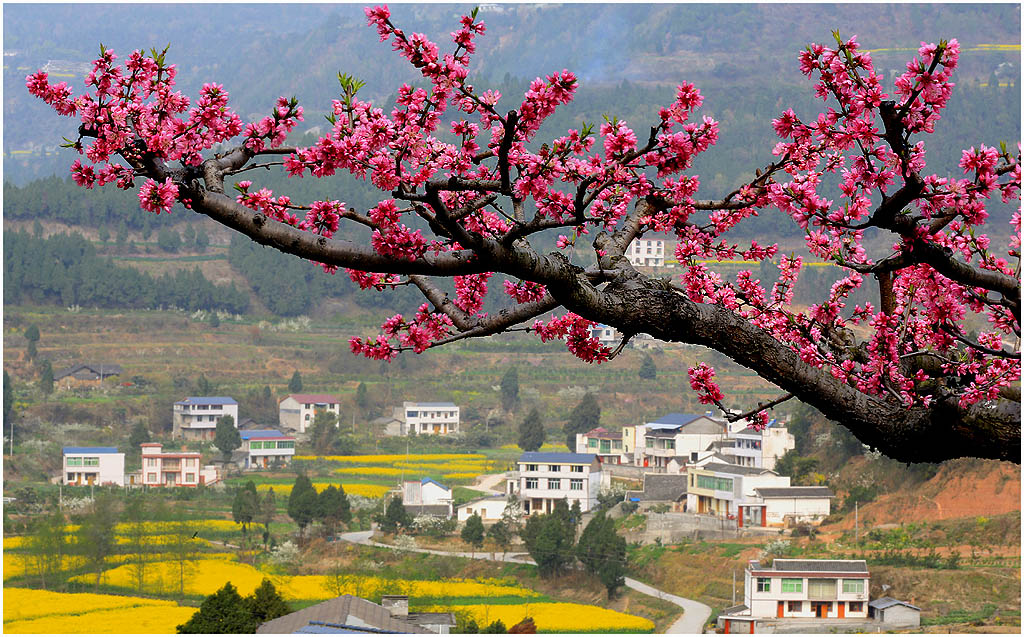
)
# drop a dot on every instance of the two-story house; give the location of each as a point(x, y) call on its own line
point(427, 496)
point(606, 445)
point(266, 448)
point(763, 448)
point(296, 411)
point(674, 435)
point(173, 468)
point(646, 252)
point(438, 419)
point(753, 496)
point(807, 588)
point(195, 417)
point(544, 478)
point(92, 465)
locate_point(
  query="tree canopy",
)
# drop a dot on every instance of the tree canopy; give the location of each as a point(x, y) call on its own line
point(531, 432)
point(931, 372)
point(226, 436)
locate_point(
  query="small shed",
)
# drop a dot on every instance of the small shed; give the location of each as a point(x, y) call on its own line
point(894, 612)
point(736, 620)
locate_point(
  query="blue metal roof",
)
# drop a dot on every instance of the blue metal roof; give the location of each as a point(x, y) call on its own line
point(207, 400)
point(68, 450)
point(557, 456)
point(329, 628)
point(675, 419)
point(261, 433)
point(426, 480)
point(432, 404)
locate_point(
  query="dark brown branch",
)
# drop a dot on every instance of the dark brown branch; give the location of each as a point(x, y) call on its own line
point(760, 407)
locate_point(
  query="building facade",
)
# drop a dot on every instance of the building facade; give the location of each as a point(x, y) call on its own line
point(606, 445)
point(490, 508)
point(427, 493)
point(296, 411)
point(834, 589)
point(646, 252)
point(439, 419)
point(173, 469)
point(266, 448)
point(85, 375)
point(674, 435)
point(547, 477)
point(92, 466)
point(195, 417)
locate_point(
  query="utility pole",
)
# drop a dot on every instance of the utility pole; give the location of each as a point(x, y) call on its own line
point(856, 521)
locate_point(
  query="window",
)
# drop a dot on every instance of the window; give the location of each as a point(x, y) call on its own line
point(150, 462)
point(74, 462)
point(764, 585)
point(150, 477)
point(576, 484)
point(822, 588)
point(554, 483)
point(286, 444)
point(716, 484)
point(411, 414)
point(577, 468)
point(794, 607)
point(555, 468)
point(308, 406)
point(592, 442)
point(853, 586)
point(856, 607)
point(255, 444)
point(190, 477)
point(531, 467)
point(532, 483)
point(71, 477)
point(792, 585)
point(190, 462)
point(307, 417)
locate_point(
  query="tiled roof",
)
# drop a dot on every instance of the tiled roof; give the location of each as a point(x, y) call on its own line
point(261, 433)
point(885, 602)
point(432, 404)
point(100, 369)
point(795, 492)
point(739, 609)
point(68, 450)
point(822, 566)
point(675, 419)
point(663, 487)
point(314, 398)
point(557, 456)
point(736, 469)
point(426, 480)
point(601, 432)
point(336, 611)
point(207, 400)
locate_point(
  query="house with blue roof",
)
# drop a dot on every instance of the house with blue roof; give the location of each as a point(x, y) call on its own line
point(544, 478)
point(195, 417)
point(92, 466)
point(265, 448)
point(428, 497)
point(672, 436)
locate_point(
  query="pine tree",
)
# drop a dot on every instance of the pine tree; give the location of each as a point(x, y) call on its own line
point(268, 509)
point(245, 506)
point(8, 400)
point(203, 386)
point(226, 437)
point(531, 431)
point(46, 378)
point(32, 336)
point(603, 552)
point(295, 384)
point(473, 532)
point(648, 371)
point(266, 603)
point(333, 507)
point(395, 517)
point(584, 417)
point(362, 399)
point(323, 432)
point(510, 389)
point(302, 502)
point(139, 435)
point(223, 612)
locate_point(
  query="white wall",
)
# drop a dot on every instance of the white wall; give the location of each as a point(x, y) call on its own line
point(490, 510)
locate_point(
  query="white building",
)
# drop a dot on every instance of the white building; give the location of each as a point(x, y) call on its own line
point(490, 508)
point(606, 445)
point(427, 418)
point(546, 477)
point(606, 335)
point(761, 448)
point(646, 252)
point(195, 417)
point(174, 468)
point(785, 506)
point(834, 589)
point(296, 411)
point(266, 448)
point(93, 465)
point(671, 436)
point(753, 496)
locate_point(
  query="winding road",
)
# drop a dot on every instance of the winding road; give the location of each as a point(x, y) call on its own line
point(695, 614)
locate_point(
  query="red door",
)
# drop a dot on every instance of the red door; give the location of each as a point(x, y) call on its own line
point(842, 610)
point(781, 607)
point(727, 627)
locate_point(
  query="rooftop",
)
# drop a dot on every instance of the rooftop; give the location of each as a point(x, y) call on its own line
point(262, 433)
point(821, 566)
point(415, 404)
point(557, 456)
point(675, 419)
point(315, 398)
point(101, 369)
point(68, 450)
point(663, 486)
point(343, 611)
point(207, 400)
point(795, 492)
point(601, 432)
point(885, 602)
point(736, 469)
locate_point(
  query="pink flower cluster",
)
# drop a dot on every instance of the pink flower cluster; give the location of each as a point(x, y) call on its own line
point(156, 197)
point(576, 331)
point(397, 334)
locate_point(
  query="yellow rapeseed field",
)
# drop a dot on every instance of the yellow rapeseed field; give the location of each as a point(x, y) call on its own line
point(154, 620)
point(373, 472)
point(556, 617)
point(389, 459)
point(16, 564)
point(30, 603)
point(459, 476)
point(365, 490)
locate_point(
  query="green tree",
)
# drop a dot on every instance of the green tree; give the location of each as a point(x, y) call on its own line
point(603, 552)
point(32, 336)
point(203, 386)
point(584, 417)
point(95, 536)
point(502, 535)
point(182, 545)
point(333, 507)
point(497, 627)
point(473, 531)
point(168, 240)
point(302, 502)
point(531, 431)
point(295, 384)
point(268, 509)
point(395, 517)
point(226, 437)
point(648, 371)
point(266, 603)
point(799, 468)
point(46, 378)
point(549, 540)
point(8, 400)
point(510, 389)
point(214, 320)
point(135, 517)
point(323, 432)
point(223, 612)
point(45, 549)
point(138, 435)
point(362, 398)
point(245, 507)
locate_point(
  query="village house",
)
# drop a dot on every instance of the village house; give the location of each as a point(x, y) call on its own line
point(85, 375)
point(544, 478)
point(763, 448)
point(266, 448)
point(348, 614)
point(646, 252)
point(423, 419)
point(606, 335)
point(174, 468)
point(606, 445)
point(92, 466)
point(195, 417)
point(427, 497)
point(297, 411)
point(490, 508)
point(673, 435)
point(807, 588)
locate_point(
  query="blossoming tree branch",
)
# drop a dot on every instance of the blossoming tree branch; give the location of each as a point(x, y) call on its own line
point(909, 378)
